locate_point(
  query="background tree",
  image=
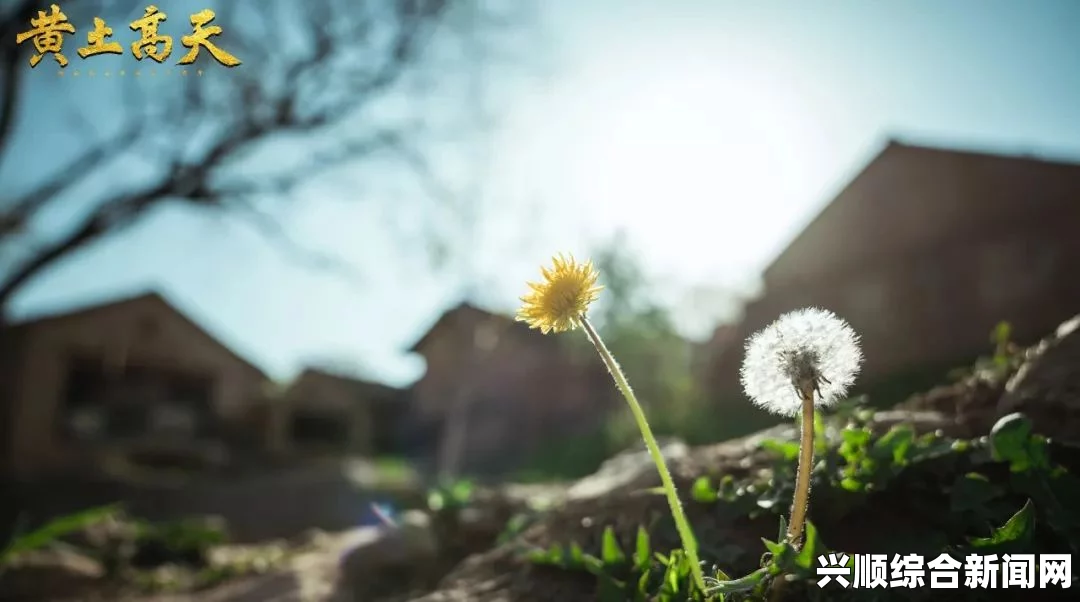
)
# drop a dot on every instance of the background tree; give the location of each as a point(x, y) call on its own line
point(638, 328)
point(641, 332)
point(323, 85)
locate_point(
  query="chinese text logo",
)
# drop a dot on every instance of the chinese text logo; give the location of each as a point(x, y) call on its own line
point(48, 30)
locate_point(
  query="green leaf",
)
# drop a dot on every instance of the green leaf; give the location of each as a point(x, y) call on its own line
point(1010, 441)
point(1039, 452)
point(610, 590)
point(741, 584)
point(684, 567)
point(611, 553)
point(895, 444)
point(593, 564)
point(775, 547)
point(702, 491)
point(56, 529)
point(850, 484)
point(1057, 495)
point(971, 492)
point(821, 442)
point(643, 586)
point(855, 437)
point(461, 491)
point(1000, 335)
point(1017, 530)
point(537, 556)
point(642, 556)
point(853, 444)
point(811, 548)
point(576, 557)
point(727, 490)
point(1000, 339)
point(671, 576)
point(788, 450)
point(553, 556)
point(783, 529)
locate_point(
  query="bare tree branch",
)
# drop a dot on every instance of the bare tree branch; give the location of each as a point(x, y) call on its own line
point(10, 74)
point(317, 68)
point(17, 212)
point(12, 22)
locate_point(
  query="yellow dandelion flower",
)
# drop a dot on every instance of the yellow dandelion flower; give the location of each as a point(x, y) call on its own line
point(558, 303)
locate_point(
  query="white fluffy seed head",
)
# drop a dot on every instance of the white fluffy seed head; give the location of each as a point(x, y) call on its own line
point(807, 347)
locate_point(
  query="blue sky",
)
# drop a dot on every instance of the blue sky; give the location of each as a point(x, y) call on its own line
point(710, 131)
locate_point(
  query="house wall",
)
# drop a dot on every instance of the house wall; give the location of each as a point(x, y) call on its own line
point(333, 398)
point(518, 390)
point(10, 365)
point(911, 199)
point(924, 253)
point(146, 333)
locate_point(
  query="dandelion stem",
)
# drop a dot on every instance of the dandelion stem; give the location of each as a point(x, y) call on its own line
point(801, 502)
point(681, 524)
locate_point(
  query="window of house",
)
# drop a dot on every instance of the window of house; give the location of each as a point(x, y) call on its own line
point(85, 423)
point(127, 421)
point(82, 414)
point(486, 336)
point(320, 429)
point(174, 418)
point(103, 402)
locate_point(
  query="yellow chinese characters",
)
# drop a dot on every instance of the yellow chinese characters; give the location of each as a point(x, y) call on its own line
point(47, 34)
point(48, 30)
point(200, 38)
point(95, 41)
point(149, 38)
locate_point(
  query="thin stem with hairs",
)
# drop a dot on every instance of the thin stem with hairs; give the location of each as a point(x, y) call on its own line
point(800, 504)
point(681, 524)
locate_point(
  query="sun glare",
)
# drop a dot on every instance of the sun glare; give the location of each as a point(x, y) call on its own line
point(695, 161)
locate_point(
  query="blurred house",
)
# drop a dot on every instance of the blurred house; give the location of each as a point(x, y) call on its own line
point(136, 379)
point(322, 412)
point(495, 393)
point(132, 376)
point(924, 252)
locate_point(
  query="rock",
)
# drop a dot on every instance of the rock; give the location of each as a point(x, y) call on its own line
point(186, 542)
point(59, 572)
point(391, 560)
point(1047, 387)
point(309, 573)
point(114, 541)
point(968, 408)
point(624, 469)
point(422, 559)
point(110, 532)
point(618, 495)
point(375, 563)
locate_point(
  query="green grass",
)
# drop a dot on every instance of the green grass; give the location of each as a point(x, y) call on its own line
point(53, 531)
point(1002, 493)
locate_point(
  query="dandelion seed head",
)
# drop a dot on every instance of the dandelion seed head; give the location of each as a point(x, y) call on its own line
point(559, 302)
point(808, 348)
